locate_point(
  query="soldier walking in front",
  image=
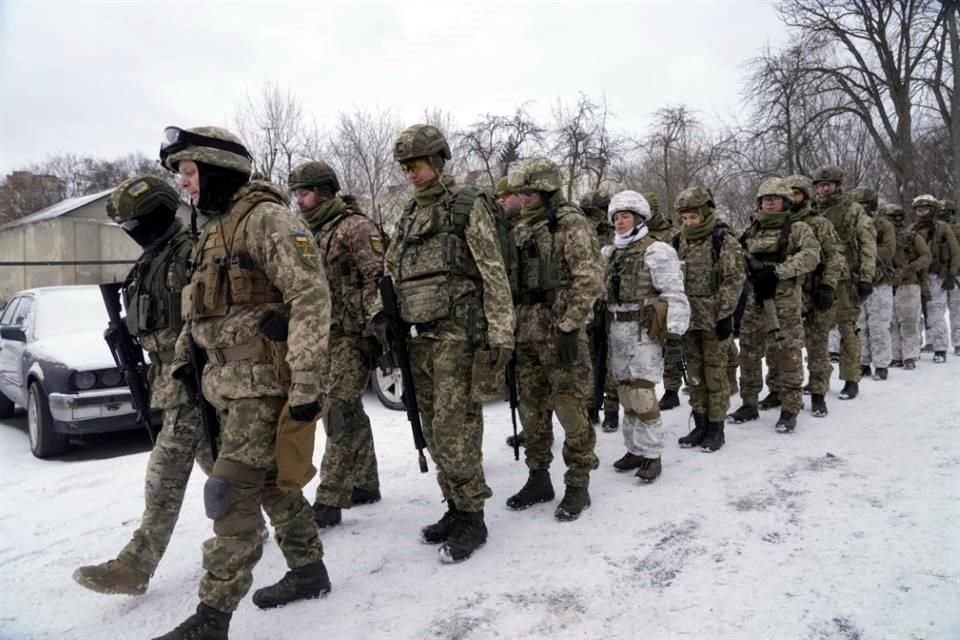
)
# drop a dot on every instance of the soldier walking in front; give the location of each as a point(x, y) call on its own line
point(910, 261)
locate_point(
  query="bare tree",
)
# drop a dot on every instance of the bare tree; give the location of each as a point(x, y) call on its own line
point(273, 129)
point(574, 131)
point(495, 141)
point(604, 147)
point(942, 79)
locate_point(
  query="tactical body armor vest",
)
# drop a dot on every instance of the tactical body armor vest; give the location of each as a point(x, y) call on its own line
point(843, 216)
point(151, 292)
point(343, 275)
point(541, 270)
point(628, 279)
point(906, 252)
point(224, 272)
point(936, 237)
point(766, 247)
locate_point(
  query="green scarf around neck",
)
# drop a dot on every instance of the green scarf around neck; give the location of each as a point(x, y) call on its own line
point(772, 220)
point(700, 231)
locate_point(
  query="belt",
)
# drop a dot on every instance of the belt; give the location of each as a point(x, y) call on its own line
point(255, 351)
point(626, 316)
point(537, 297)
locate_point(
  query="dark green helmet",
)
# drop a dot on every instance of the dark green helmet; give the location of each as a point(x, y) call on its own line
point(828, 173)
point(140, 196)
point(865, 196)
point(692, 198)
point(314, 174)
point(420, 141)
point(598, 199)
point(653, 201)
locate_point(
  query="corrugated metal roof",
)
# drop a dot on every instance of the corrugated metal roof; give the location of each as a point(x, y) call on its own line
point(57, 210)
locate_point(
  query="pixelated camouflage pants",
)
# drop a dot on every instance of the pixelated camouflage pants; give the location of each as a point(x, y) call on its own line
point(707, 373)
point(874, 325)
point(847, 314)
point(672, 372)
point(349, 458)
point(953, 304)
point(816, 330)
point(789, 355)
point(544, 388)
point(179, 442)
point(937, 333)
point(452, 422)
point(905, 329)
point(247, 467)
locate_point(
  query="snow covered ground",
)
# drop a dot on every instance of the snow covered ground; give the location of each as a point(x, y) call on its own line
point(848, 529)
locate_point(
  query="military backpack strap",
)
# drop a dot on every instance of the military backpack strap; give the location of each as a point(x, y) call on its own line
point(784, 240)
point(719, 234)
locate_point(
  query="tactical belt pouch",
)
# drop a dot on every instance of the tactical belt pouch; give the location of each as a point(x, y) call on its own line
point(294, 451)
point(257, 351)
point(487, 380)
point(425, 299)
point(656, 323)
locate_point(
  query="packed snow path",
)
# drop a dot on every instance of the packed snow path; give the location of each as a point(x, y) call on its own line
point(848, 529)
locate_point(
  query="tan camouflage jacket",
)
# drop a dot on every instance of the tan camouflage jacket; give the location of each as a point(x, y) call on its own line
point(712, 283)
point(574, 249)
point(886, 251)
point(662, 229)
point(832, 267)
point(281, 248)
point(802, 256)
point(857, 235)
point(943, 245)
point(912, 256)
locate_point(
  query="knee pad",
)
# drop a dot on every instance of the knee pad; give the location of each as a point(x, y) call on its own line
point(640, 402)
point(216, 497)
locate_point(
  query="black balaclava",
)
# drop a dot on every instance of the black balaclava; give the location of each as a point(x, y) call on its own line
point(151, 227)
point(217, 188)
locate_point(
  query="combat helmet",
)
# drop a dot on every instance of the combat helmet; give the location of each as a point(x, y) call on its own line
point(865, 196)
point(775, 187)
point(211, 145)
point(802, 183)
point(501, 189)
point(141, 196)
point(630, 201)
point(926, 200)
point(596, 199)
point(422, 141)
point(653, 201)
point(828, 173)
point(693, 198)
point(535, 174)
point(947, 209)
point(314, 174)
point(893, 211)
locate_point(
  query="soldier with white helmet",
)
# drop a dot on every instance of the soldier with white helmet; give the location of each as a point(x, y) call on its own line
point(647, 311)
point(910, 263)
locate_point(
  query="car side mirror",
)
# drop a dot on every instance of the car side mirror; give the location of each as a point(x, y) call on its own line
point(13, 333)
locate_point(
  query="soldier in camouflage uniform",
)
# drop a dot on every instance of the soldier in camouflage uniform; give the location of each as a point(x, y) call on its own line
point(859, 239)
point(146, 208)
point(712, 280)
point(942, 272)
point(780, 252)
point(910, 262)
point(258, 305)
point(877, 312)
point(948, 214)
point(559, 280)
point(595, 204)
point(453, 290)
point(351, 249)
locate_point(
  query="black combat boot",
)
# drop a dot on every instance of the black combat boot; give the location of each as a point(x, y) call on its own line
point(537, 489)
point(956, 350)
point(818, 405)
point(939, 357)
point(302, 583)
point(745, 413)
point(364, 496)
point(787, 422)
point(628, 462)
point(898, 364)
point(695, 437)
point(575, 501)
point(927, 348)
point(909, 364)
point(439, 531)
point(865, 371)
point(834, 357)
point(206, 624)
point(806, 389)
point(714, 439)
point(611, 421)
point(326, 516)
point(650, 469)
point(670, 400)
point(880, 373)
point(469, 533)
point(850, 390)
point(771, 401)
point(521, 440)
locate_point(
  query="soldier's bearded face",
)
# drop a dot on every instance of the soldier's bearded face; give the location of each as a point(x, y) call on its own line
point(691, 218)
point(190, 179)
point(306, 198)
point(825, 189)
point(510, 203)
point(420, 173)
point(798, 196)
point(772, 204)
point(623, 222)
point(530, 200)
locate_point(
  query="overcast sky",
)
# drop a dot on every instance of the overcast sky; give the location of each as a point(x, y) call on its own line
point(104, 79)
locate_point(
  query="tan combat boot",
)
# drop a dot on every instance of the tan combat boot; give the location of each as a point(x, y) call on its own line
point(113, 576)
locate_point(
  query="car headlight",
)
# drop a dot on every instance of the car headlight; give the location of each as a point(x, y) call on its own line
point(84, 380)
point(111, 378)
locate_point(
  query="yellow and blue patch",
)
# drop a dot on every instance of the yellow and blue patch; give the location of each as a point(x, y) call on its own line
point(376, 243)
point(306, 249)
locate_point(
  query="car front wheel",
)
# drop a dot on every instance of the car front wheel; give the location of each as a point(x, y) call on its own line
point(388, 387)
point(45, 441)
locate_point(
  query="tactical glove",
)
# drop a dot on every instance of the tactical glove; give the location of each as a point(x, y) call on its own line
point(567, 348)
point(823, 297)
point(864, 289)
point(764, 283)
point(724, 328)
point(949, 282)
point(305, 412)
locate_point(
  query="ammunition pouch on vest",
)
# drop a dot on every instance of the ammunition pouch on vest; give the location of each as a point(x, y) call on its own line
point(151, 300)
point(628, 279)
point(540, 271)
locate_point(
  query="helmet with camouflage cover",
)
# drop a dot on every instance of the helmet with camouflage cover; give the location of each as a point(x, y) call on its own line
point(926, 200)
point(775, 187)
point(893, 211)
point(314, 174)
point(947, 208)
point(693, 198)
point(828, 173)
point(535, 174)
point(140, 196)
point(800, 182)
point(501, 189)
point(597, 199)
point(865, 196)
point(630, 201)
point(653, 201)
point(421, 141)
point(210, 145)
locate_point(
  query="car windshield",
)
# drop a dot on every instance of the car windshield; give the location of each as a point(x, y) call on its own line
point(64, 311)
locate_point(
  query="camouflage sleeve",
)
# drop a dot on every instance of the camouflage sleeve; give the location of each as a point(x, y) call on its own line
point(867, 240)
point(924, 258)
point(365, 244)
point(392, 259)
point(497, 299)
point(954, 247)
point(831, 254)
point(282, 245)
point(667, 276)
point(804, 255)
point(581, 251)
point(732, 276)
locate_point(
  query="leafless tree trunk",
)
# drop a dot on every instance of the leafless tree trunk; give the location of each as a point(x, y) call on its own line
point(273, 129)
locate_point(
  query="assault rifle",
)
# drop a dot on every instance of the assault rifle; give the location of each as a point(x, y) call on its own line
point(600, 345)
point(128, 356)
point(513, 395)
point(398, 356)
point(194, 386)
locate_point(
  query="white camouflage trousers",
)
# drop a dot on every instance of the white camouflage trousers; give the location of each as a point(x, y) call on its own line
point(953, 304)
point(636, 362)
point(876, 313)
point(936, 310)
point(905, 328)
